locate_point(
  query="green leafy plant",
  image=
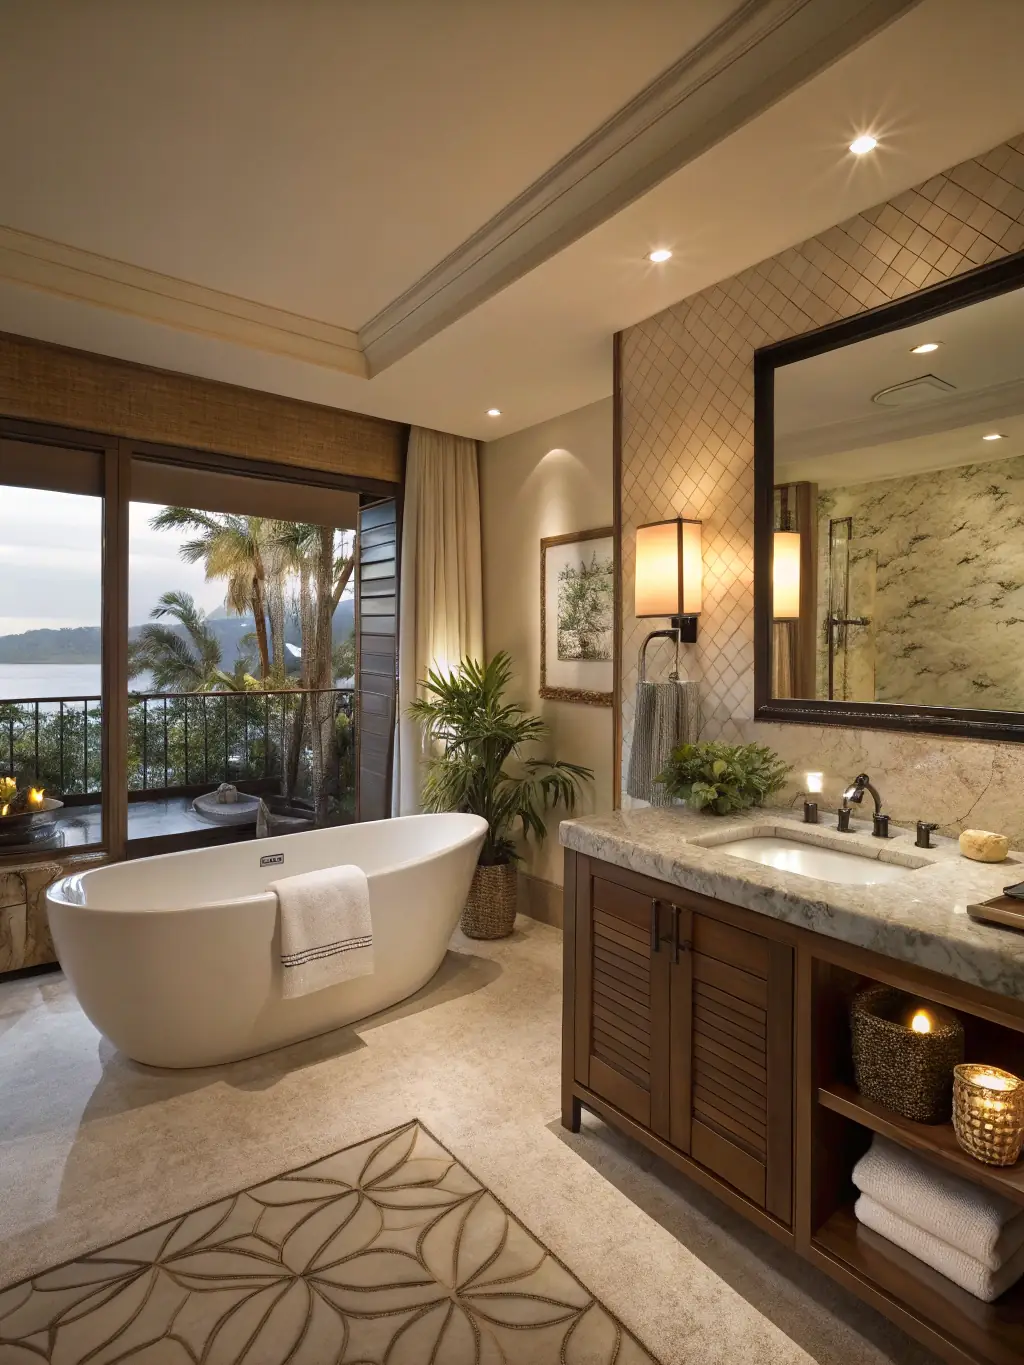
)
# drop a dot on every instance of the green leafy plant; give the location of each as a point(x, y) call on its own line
point(474, 733)
point(722, 778)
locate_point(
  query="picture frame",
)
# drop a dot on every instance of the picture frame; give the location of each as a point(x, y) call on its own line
point(577, 634)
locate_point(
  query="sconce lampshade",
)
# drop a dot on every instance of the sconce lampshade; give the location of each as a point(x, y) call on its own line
point(669, 569)
point(786, 576)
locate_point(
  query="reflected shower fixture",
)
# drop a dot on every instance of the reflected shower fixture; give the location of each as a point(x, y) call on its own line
point(670, 574)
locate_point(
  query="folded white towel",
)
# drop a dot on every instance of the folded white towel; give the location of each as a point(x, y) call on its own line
point(326, 932)
point(976, 1221)
point(964, 1270)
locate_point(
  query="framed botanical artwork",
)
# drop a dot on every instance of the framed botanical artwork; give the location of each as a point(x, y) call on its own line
point(577, 635)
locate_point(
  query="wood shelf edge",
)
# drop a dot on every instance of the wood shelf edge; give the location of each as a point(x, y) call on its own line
point(922, 1301)
point(934, 1141)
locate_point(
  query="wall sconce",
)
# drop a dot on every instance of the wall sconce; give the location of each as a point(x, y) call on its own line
point(670, 574)
point(786, 576)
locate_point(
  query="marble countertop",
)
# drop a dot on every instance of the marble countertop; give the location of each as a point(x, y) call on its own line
point(920, 919)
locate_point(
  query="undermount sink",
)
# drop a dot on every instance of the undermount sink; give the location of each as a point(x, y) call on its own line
point(810, 860)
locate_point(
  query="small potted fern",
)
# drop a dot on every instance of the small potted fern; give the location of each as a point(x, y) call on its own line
point(472, 734)
point(723, 778)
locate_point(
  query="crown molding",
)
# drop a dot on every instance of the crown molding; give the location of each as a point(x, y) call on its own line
point(89, 278)
point(764, 50)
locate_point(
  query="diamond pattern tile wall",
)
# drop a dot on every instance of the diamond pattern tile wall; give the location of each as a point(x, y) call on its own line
point(688, 392)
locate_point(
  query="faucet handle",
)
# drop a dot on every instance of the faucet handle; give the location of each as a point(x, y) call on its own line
point(880, 826)
point(924, 830)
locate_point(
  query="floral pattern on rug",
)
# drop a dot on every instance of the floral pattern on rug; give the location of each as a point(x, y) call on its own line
point(386, 1253)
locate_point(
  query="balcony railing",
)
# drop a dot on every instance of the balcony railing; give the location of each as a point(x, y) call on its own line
point(176, 741)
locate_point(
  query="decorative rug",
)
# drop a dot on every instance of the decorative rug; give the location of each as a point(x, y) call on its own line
point(387, 1253)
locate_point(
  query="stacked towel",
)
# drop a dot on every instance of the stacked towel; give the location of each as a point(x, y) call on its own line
point(971, 1235)
point(326, 932)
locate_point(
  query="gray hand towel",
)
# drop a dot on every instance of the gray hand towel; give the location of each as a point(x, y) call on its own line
point(667, 715)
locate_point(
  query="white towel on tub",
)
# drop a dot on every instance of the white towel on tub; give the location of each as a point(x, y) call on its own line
point(326, 932)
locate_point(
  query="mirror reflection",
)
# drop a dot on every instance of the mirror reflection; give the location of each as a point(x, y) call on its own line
point(898, 568)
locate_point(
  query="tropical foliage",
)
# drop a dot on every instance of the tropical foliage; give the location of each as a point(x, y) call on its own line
point(475, 733)
point(186, 659)
point(722, 778)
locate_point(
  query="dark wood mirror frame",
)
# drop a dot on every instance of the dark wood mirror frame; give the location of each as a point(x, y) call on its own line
point(985, 282)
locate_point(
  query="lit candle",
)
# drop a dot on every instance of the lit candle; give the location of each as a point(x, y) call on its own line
point(922, 1022)
point(988, 1113)
point(35, 796)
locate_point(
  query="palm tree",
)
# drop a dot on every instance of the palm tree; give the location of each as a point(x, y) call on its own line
point(234, 549)
point(186, 659)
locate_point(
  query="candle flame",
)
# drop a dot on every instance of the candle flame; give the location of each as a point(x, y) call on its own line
point(35, 796)
point(921, 1022)
point(4, 811)
point(989, 1082)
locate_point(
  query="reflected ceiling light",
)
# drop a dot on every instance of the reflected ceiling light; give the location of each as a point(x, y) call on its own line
point(862, 144)
point(661, 254)
point(925, 348)
point(994, 436)
point(494, 412)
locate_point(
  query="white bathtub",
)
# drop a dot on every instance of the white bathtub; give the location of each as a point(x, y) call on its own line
point(177, 958)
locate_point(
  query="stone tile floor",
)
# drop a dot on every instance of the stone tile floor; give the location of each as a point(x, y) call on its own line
point(94, 1147)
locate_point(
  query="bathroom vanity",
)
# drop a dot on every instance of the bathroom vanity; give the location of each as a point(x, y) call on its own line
point(706, 1012)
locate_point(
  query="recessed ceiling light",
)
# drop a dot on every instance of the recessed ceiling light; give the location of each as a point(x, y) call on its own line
point(862, 144)
point(925, 347)
point(494, 412)
point(994, 436)
point(662, 254)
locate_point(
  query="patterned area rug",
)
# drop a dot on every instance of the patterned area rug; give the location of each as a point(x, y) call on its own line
point(386, 1253)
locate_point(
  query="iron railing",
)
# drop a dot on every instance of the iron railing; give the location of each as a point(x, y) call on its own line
point(176, 740)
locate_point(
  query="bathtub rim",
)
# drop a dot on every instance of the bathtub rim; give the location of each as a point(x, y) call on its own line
point(55, 891)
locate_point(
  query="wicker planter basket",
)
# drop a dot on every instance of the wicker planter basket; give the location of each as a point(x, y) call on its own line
point(989, 1124)
point(491, 904)
point(910, 1073)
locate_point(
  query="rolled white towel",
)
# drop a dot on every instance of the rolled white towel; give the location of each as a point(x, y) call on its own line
point(964, 1270)
point(980, 1223)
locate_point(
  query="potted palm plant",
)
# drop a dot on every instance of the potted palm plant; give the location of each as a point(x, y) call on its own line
point(472, 733)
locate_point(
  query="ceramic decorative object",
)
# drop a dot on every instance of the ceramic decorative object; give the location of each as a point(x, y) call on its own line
point(904, 1053)
point(988, 1113)
point(491, 904)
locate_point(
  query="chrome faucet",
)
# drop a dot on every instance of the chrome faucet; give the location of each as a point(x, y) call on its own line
point(855, 793)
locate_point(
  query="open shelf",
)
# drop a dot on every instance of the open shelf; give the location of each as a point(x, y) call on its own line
point(935, 1141)
point(987, 1331)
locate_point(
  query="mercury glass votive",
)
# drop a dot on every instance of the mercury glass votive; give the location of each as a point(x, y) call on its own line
point(988, 1113)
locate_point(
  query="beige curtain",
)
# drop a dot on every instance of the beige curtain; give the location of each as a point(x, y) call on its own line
point(441, 611)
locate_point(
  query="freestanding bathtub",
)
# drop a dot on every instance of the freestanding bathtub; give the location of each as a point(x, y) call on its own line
point(177, 958)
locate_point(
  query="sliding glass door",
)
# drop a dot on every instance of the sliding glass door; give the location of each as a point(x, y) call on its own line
point(53, 737)
point(241, 655)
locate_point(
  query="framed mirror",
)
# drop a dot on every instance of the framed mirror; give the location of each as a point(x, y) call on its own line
point(889, 517)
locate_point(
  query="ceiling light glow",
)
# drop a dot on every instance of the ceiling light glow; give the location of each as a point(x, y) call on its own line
point(494, 412)
point(660, 255)
point(925, 348)
point(994, 436)
point(862, 144)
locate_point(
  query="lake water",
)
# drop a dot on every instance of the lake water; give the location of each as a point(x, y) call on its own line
point(56, 680)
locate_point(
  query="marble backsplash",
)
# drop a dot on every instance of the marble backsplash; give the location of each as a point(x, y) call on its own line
point(687, 443)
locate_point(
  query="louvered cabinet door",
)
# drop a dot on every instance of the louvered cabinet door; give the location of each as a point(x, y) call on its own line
point(740, 1061)
point(622, 999)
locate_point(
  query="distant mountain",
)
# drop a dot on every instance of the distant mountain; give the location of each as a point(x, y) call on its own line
point(81, 644)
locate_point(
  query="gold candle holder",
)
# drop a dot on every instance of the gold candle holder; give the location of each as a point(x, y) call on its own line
point(988, 1113)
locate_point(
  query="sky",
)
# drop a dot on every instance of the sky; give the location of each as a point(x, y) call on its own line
point(50, 545)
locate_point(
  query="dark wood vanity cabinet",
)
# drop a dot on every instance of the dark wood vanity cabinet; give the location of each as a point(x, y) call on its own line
point(683, 1021)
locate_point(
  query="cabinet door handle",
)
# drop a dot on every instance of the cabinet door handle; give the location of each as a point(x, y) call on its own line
point(675, 934)
point(654, 925)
